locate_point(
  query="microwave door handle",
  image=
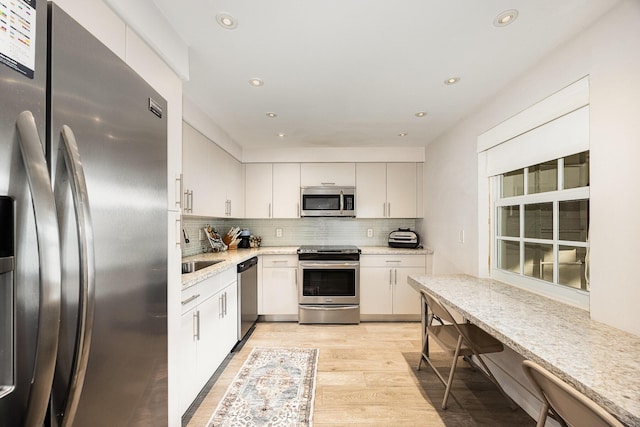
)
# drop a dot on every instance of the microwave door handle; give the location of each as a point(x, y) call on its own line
point(69, 167)
point(341, 201)
point(47, 235)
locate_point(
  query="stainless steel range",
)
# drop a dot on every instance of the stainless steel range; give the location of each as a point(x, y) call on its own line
point(330, 284)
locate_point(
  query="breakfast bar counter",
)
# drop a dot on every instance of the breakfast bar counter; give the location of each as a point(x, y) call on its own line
point(600, 361)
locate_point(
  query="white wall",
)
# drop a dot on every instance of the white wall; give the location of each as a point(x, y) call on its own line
point(609, 52)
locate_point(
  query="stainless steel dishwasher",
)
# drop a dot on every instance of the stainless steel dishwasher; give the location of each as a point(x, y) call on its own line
point(247, 295)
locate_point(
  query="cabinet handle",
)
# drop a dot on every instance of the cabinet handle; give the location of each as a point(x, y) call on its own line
point(191, 298)
point(178, 232)
point(179, 189)
point(220, 307)
point(384, 210)
point(298, 209)
point(395, 276)
point(188, 201)
point(328, 183)
point(225, 304)
point(269, 210)
point(390, 276)
point(389, 210)
point(196, 325)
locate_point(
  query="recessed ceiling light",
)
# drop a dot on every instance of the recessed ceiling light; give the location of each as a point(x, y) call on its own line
point(403, 134)
point(272, 115)
point(505, 18)
point(256, 82)
point(452, 80)
point(281, 134)
point(226, 21)
point(421, 114)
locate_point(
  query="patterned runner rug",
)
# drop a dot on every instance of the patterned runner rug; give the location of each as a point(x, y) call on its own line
point(275, 387)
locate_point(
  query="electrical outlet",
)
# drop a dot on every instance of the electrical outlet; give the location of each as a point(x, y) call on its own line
point(461, 235)
point(369, 232)
point(278, 232)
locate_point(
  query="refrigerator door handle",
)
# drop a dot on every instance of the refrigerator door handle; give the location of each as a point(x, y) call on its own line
point(69, 167)
point(47, 235)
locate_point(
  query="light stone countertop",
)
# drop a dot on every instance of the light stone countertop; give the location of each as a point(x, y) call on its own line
point(231, 258)
point(600, 361)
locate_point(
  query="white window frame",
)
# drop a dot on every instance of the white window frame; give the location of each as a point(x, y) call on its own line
point(498, 143)
point(561, 292)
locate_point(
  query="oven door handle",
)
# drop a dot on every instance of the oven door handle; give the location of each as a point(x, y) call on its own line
point(329, 264)
point(328, 307)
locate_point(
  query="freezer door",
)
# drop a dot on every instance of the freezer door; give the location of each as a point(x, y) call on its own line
point(29, 288)
point(112, 362)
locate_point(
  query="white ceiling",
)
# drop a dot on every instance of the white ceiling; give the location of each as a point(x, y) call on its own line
point(352, 73)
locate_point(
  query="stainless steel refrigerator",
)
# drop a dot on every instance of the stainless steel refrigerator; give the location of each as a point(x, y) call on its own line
point(83, 220)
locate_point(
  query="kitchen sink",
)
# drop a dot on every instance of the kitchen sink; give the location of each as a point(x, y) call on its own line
point(191, 266)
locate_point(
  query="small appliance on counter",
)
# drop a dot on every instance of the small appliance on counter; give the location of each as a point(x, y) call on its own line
point(245, 237)
point(404, 238)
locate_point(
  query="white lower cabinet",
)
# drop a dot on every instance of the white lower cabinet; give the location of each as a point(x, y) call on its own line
point(384, 291)
point(208, 333)
point(279, 288)
point(188, 360)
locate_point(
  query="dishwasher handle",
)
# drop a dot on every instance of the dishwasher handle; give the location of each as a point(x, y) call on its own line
point(245, 265)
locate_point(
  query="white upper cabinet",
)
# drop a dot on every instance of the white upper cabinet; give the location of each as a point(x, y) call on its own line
point(386, 190)
point(286, 190)
point(259, 190)
point(272, 190)
point(196, 155)
point(213, 179)
point(401, 190)
point(371, 190)
point(323, 174)
point(226, 184)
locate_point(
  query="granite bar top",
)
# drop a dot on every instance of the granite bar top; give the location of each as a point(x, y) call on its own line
point(231, 258)
point(599, 360)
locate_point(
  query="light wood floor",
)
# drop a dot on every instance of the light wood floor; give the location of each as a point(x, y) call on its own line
point(367, 377)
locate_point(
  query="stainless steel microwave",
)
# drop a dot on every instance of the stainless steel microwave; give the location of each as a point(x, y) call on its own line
point(328, 201)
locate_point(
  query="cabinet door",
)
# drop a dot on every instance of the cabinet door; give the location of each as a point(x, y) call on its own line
point(229, 324)
point(322, 174)
point(196, 149)
point(401, 190)
point(188, 381)
point(371, 190)
point(258, 190)
point(234, 187)
point(279, 291)
point(220, 169)
point(286, 190)
point(375, 290)
point(209, 356)
point(406, 300)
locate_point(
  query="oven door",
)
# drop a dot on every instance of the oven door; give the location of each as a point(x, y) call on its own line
point(329, 282)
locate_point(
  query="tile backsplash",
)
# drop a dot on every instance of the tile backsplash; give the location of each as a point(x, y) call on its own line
point(296, 232)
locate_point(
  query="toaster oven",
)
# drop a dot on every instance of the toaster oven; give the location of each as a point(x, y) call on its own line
point(404, 238)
